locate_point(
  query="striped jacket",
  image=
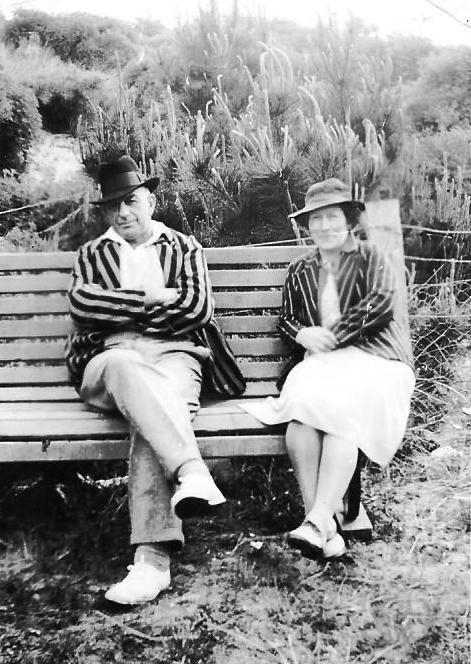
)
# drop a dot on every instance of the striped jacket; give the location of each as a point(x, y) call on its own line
point(366, 288)
point(99, 306)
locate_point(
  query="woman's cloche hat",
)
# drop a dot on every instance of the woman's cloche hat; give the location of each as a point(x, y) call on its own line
point(119, 178)
point(325, 193)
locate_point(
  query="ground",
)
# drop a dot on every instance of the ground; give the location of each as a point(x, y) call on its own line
point(238, 594)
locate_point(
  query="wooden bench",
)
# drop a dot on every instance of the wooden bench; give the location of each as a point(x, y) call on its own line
point(41, 416)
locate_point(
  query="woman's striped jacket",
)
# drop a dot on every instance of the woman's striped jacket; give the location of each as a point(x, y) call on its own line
point(366, 288)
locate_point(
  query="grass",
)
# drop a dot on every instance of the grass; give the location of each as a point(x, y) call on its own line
point(238, 593)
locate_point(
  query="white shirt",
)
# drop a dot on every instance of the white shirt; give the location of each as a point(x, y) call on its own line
point(139, 266)
point(329, 305)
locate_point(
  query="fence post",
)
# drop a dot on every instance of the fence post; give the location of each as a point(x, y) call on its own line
point(289, 207)
point(452, 299)
point(382, 223)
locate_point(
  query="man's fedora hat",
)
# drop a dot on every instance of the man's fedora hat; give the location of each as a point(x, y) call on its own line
point(325, 193)
point(119, 178)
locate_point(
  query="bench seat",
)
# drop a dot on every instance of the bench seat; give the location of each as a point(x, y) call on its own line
point(41, 416)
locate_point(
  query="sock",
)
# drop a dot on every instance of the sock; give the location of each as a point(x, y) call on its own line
point(192, 466)
point(153, 553)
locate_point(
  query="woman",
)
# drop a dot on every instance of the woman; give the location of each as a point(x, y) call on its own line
point(350, 381)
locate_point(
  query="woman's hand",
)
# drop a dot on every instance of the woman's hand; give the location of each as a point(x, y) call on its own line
point(316, 339)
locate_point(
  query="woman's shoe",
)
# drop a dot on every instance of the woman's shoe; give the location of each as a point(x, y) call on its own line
point(308, 540)
point(334, 547)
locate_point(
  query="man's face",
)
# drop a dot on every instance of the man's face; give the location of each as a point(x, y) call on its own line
point(131, 217)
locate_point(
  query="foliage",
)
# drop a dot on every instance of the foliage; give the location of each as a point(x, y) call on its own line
point(19, 122)
point(236, 174)
point(408, 54)
point(63, 90)
point(441, 97)
point(90, 41)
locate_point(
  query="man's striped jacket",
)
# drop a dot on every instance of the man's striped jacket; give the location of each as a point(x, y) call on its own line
point(99, 306)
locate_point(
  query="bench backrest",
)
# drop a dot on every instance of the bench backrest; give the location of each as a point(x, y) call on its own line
point(247, 287)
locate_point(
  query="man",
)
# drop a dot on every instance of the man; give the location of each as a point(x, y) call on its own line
point(143, 309)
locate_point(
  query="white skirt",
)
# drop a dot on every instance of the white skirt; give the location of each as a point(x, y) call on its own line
point(348, 393)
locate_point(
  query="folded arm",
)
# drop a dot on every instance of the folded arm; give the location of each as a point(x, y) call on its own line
point(91, 305)
point(190, 305)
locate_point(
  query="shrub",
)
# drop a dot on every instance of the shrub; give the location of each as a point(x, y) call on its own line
point(90, 41)
point(441, 97)
point(19, 123)
point(63, 90)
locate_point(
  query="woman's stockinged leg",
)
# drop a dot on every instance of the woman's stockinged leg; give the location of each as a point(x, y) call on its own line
point(337, 465)
point(304, 446)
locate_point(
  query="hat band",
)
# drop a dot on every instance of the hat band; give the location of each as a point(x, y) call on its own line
point(121, 181)
point(330, 199)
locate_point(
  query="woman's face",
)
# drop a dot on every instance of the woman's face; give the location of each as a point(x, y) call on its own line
point(328, 227)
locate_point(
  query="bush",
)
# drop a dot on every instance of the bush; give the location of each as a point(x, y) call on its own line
point(19, 123)
point(441, 98)
point(90, 41)
point(63, 90)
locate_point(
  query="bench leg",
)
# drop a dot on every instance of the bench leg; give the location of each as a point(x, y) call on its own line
point(353, 521)
point(359, 529)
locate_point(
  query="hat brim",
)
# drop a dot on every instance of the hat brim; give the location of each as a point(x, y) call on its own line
point(149, 184)
point(323, 204)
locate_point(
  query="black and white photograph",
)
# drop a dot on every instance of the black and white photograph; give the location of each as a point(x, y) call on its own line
point(235, 332)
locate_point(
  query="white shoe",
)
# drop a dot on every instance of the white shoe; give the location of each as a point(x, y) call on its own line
point(143, 583)
point(334, 547)
point(196, 495)
point(308, 540)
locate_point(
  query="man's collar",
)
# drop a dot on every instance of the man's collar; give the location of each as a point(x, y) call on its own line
point(158, 230)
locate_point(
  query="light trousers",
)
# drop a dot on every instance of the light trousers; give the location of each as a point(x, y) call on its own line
point(156, 386)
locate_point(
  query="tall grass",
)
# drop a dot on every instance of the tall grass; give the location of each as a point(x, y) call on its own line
point(237, 172)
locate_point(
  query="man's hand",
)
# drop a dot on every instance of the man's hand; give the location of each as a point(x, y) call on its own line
point(164, 296)
point(316, 339)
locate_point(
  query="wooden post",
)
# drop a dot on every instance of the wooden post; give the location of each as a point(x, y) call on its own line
point(382, 224)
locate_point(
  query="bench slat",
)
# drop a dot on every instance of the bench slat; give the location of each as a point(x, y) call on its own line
point(91, 450)
point(57, 304)
point(54, 350)
point(61, 410)
point(67, 393)
point(214, 256)
point(60, 281)
point(70, 423)
point(61, 326)
point(31, 375)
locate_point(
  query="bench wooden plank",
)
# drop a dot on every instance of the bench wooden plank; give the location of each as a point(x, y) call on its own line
point(60, 281)
point(35, 424)
point(215, 256)
point(67, 393)
point(38, 327)
point(57, 304)
point(41, 393)
point(44, 326)
point(54, 350)
point(61, 410)
point(109, 449)
point(31, 375)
